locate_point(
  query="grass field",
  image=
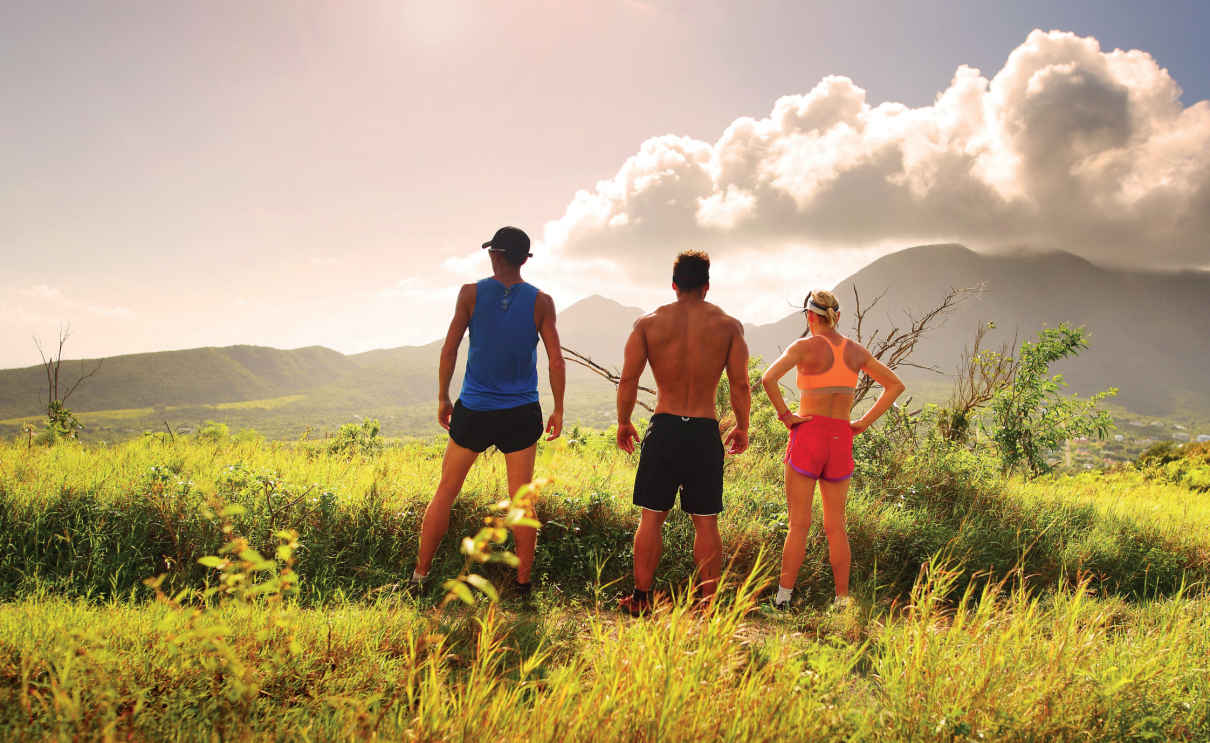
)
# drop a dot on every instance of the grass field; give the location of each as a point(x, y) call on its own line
point(1068, 608)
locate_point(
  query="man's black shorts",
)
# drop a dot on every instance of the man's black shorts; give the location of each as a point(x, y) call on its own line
point(509, 430)
point(683, 454)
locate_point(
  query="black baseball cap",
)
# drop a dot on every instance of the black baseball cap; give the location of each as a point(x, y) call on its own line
point(513, 242)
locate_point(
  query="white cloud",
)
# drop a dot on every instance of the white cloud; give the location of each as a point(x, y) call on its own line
point(1067, 146)
point(53, 299)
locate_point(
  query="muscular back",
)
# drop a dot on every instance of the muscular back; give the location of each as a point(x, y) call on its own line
point(689, 344)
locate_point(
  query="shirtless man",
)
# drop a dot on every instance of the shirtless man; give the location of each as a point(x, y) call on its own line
point(689, 343)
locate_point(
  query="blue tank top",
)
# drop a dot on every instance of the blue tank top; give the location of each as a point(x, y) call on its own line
point(502, 366)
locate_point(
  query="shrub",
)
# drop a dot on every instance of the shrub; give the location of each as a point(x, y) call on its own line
point(248, 436)
point(357, 439)
point(1031, 418)
point(213, 432)
point(1187, 465)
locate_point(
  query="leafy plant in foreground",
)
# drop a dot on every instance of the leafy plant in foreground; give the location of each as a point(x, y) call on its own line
point(517, 511)
point(205, 643)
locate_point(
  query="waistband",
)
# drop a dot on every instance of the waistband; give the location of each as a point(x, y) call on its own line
point(823, 420)
point(683, 420)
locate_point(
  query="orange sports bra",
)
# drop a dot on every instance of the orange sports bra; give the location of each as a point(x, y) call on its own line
point(838, 378)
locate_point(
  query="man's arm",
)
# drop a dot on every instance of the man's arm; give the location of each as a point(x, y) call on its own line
point(558, 367)
point(741, 391)
point(628, 386)
point(463, 310)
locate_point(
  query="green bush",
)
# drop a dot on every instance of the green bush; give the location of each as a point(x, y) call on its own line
point(1187, 465)
point(213, 432)
point(1031, 418)
point(355, 439)
point(248, 436)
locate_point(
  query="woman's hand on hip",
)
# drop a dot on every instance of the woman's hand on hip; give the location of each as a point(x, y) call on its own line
point(793, 419)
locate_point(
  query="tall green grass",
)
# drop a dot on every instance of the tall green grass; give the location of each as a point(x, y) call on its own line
point(988, 610)
point(1001, 665)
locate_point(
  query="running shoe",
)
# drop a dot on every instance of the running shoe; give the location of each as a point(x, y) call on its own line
point(634, 607)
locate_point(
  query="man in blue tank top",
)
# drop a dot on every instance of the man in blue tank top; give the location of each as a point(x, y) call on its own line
point(499, 401)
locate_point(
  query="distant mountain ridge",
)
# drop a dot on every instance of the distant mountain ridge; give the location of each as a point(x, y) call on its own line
point(1149, 338)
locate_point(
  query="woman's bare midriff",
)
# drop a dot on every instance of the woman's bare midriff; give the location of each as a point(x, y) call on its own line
point(826, 404)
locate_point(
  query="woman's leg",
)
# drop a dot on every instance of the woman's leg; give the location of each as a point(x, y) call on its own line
point(800, 490)
point(833, 495)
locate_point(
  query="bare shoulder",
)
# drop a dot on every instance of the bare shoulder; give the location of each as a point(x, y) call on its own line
point(644, 321)
point(545, 302)
point(804, 347)
point(656, 316)
point(725, 321)
point(803, 344)
point(855, 354)
point(663, 309)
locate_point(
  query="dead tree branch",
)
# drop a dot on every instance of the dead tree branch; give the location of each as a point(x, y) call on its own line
point(982, 372)
point(52, 365)
point(608, 375)
point(893, 347)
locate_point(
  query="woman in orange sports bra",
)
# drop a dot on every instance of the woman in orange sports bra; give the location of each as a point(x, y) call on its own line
point(820, 448)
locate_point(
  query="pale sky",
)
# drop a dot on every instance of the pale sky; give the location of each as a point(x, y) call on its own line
point(301, 173)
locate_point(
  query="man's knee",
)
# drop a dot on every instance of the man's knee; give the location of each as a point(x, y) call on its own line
point(706, 526)
point(445, 496)
point(652, 519)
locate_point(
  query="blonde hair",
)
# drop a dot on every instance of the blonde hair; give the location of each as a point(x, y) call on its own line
point(825, 299)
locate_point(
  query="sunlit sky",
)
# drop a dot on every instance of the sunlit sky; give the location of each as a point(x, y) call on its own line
point(304, 173)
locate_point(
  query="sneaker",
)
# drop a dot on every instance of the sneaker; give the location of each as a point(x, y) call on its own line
point(414, 588)
point(523, 590)
point(635, 607)
point(770, 607)
point(842, 603)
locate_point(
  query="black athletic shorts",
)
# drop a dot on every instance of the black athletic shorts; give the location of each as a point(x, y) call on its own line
point(509, 430)
point(683, 454)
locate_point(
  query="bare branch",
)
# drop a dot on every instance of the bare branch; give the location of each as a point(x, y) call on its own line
point(893, 347)
point(982, 372)
point(64, 332)
point(95, 369)
point(608, 375)
point(50, 387)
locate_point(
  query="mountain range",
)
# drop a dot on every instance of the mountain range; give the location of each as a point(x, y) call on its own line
point(1149, 337)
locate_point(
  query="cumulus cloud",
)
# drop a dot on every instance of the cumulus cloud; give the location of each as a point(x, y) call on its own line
point(1068, 146)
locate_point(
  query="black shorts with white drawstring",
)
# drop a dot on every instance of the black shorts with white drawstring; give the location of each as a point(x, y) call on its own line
point(681, 454)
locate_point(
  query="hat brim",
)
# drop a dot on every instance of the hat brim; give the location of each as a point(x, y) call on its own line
point(490, 249)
